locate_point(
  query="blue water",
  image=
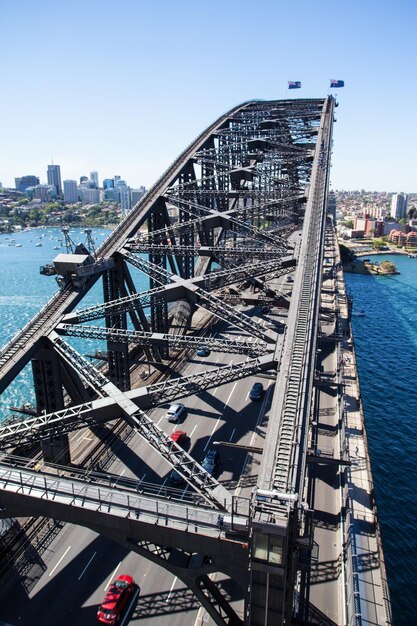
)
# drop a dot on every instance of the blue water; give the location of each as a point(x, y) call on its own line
point(23, 290)
point(386, 346)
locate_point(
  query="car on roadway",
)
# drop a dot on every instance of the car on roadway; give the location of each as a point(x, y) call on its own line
point(116, 600)
point(203, 351)
point(174, 412)
point(256, 391)
point(211, 460)
point(176, 478)
point(179, 436)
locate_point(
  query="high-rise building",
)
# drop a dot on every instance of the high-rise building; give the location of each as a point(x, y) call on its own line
point(136, 195)
point(54, 177)
point(94, 179)
point(24, 182)
point(70, 191)
point(108, 183)
point(399, 206)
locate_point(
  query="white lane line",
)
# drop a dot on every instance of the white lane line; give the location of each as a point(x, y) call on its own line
point(192, 432)
point(112, 576)
point(170, 591)
point(231, 436)
point(162, 486)
point(128, 610)
point(119, 477)
point(82, 573)
point(50, 574)
point(212, 433)
point(230, 395)
point(143, 477)
point(160, 420)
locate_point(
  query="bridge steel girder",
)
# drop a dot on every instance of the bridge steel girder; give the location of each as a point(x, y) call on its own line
point(248, 165)
point(117, 352)
point(132, 520)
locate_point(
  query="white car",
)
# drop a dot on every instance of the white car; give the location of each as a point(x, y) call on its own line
point(174, 412)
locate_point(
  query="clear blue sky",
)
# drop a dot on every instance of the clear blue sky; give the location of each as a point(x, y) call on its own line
point(122, 87)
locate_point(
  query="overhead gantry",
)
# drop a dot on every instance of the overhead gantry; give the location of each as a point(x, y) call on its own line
point(216, 230)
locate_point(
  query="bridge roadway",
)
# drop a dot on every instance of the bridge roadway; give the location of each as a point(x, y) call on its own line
point(89, 560)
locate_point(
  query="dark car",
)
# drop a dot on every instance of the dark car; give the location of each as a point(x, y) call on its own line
point(176, 478)
point(256, 391)
point(211, 460)
point(203, 351)
point(116, 600)
point(179, 436)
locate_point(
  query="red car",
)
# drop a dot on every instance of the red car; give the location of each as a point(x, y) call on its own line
point(179, 436)
point(115, 602)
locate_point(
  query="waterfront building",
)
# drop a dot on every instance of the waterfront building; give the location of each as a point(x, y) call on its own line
point(404, 239)
point(24, 182)
point(54, 177)
point(108, 183)
point(70, 191)
point(124, 195)
point(399, 206)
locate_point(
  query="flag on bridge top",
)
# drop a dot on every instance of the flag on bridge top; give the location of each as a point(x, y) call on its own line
point(336, 83)
point(294, 84)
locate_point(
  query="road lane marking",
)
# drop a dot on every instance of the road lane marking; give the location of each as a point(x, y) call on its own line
point(119, 477)
point(82, 573)
point(112, 576)
point(162, 486)
point(192, 432)
point(69, 548)
point(170, 591)
point(231, 436)
point(230, 395)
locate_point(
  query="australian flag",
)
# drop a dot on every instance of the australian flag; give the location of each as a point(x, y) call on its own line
point(294, 84)
point(337, 83)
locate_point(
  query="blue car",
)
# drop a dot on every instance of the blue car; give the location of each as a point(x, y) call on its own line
point(176, 478)
point(211, 460)
point(203, 351)
point(256, 391)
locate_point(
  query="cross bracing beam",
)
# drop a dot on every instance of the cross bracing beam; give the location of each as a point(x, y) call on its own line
point(106, 409)
point(19, 484)
point(128, 303)
point(218, 252)
point(179, 342)
point(201, 481)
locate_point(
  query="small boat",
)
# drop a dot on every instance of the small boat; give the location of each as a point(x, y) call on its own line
point(38, 245)
point(57, 248)
point(18, 245)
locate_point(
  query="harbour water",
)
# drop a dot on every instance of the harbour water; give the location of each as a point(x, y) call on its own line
point(386, 346)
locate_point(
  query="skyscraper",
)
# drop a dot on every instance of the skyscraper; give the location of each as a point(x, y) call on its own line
point(70, 191)
point(399, 206)
point(94, 179)
point(54, 178)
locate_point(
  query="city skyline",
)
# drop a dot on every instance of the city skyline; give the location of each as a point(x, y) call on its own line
point(148, 79)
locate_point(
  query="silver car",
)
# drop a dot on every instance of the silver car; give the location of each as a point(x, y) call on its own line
point(174, 412)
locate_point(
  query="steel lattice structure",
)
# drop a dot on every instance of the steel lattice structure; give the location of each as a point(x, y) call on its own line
point(216, 222)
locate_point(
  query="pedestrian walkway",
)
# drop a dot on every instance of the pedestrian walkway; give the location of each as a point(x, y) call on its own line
point(348, 579)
